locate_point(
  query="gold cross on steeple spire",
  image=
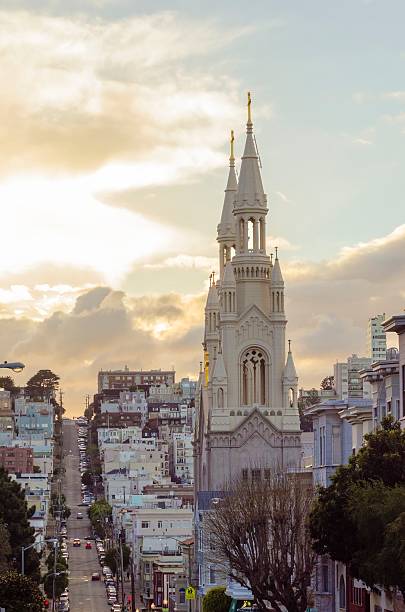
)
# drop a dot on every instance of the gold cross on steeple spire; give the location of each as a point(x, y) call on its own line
point(232, 156)
point(249, 104)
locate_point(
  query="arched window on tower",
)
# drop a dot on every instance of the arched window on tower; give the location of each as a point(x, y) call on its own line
point(254, 377)
point(262, 234)
point(291, 397)
point(242, 234)
point(220, 397)
point(251, 231)
point(278, 301)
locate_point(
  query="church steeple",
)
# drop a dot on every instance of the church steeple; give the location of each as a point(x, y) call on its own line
point(251, 199)
point(251, 263)
point(226, 227)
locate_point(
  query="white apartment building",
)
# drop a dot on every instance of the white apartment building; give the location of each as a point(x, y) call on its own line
point(348, 382)
point(118, 435)
point(376, 338)
point(157, 534)
point(181, 457)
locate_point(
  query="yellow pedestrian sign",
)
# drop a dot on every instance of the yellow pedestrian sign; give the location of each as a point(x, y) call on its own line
point(190, 593)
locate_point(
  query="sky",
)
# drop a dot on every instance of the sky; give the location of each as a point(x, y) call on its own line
point(114, 143)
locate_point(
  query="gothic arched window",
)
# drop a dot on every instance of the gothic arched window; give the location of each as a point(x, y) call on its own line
point(342, 593)
point(220, 397)
point(291, 397)
point(254, 375)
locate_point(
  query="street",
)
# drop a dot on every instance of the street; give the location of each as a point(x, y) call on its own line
point(85, 594)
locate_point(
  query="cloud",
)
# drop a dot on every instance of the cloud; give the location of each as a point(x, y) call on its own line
point(199, 262)
point(134, 94)
point(283, 197)
point(362, 141)
point(282, 243)
point(327, 303)
point(106, 328)
point(394, 95)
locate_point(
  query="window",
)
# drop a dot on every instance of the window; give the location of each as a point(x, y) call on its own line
point(403, 390)
point(245, 474)
point(325, 578)
point(342, 593)
point(336, 455)
point(160, 524)
point(253, 377)
point(145, 524)
point(357, 597)
point(256, 475)
point(322, 445)
point(212, 575)
point(182, 594)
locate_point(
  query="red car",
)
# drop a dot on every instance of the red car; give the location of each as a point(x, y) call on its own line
point(95, 576)
point(88, 545)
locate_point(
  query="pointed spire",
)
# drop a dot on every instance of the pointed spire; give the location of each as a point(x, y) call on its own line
point(276, 276)
point(226, 225)
point(250, 190)
point(219, 371)
point(212, 298)
point(289, 371)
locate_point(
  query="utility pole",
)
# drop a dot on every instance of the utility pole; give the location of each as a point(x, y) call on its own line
point(55, 551)
point(122, 569)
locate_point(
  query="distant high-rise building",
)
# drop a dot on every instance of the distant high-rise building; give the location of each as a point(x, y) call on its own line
point(348, 382)
point(376, 338)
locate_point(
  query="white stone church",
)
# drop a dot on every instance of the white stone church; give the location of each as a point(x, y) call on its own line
point(247, 414)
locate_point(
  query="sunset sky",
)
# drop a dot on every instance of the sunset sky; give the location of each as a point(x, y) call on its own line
point(113, 160)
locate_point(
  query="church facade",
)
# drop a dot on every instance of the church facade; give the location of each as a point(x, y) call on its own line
point(247, 415)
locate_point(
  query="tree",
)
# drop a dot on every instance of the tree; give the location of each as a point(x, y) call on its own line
point(15, 514)
point(215, 600)
point(328, 383)
point(61, 581)
point(353, 519)
point(259, 537)
point(98, 513)
point(112, 558)
point(5, 548)
point(87, 478)
point(43, 384)
point(7, 383)
point(303, 402)
point(19, 593)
